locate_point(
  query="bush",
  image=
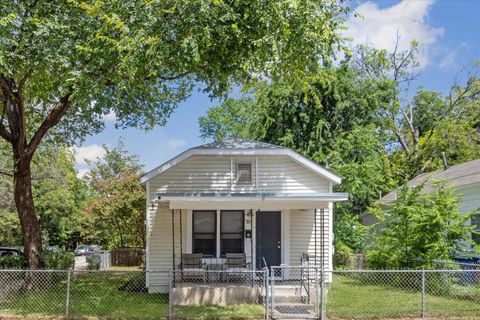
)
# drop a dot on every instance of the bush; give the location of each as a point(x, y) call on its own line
point(342, 256)
point(57, 260)
point(93, 262)
point(12, 262)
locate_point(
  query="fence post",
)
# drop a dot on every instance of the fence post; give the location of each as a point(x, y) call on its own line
point(67, 302)
point(170, 300)
point(265, 271)
point(316, 300)
point(424, 306)
point(322, 296)
point(272, 273)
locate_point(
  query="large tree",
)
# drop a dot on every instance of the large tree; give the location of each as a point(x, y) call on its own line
point(58, 194)
point(65, 64)
point(421, 127)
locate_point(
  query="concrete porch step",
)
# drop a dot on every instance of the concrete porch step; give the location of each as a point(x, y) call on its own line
point(293, 311)
point(293, 299)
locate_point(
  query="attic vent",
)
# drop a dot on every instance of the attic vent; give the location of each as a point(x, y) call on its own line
point(244, 173)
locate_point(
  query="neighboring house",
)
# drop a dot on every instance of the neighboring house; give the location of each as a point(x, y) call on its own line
point(464, 178)
point(238, 196)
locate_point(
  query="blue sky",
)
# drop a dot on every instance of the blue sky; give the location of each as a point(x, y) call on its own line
point(448, 31)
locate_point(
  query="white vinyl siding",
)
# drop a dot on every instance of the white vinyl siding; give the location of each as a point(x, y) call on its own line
point(218, 174)
point(469, 197)
point(302, 236)
point(160, 253)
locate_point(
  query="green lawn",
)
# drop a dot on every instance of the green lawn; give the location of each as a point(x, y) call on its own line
point(350, 298)
point(97, 295)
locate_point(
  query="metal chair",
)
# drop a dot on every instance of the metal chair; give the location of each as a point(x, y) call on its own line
point(236, 263)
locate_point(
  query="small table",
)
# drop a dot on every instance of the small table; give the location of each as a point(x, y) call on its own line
point(217, 275)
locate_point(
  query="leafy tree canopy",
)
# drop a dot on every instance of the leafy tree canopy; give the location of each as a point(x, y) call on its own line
point(139, 59)
point(115, 215)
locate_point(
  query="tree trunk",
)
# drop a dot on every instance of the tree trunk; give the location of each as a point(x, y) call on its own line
point(32, 239)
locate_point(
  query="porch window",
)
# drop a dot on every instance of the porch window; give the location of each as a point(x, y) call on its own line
point(231, 232)
point(204, 233)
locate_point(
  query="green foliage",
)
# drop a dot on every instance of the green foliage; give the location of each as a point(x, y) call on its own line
point(57, 260)
point(424, 227)
point(59, 197)
point(93, 262)
point(10, 233)
point(348, 230)
point(232, 118)
point(12, 262)
point(419, 129)
point(342, 256)
point(357, 119)
point(114, 216)
point(333, 116)
point(112, 55)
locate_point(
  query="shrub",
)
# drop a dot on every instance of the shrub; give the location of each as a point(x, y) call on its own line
point(342, 256)
point(12, 262)
point(57, 260)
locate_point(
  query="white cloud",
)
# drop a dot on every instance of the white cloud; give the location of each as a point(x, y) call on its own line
point(176, 143)
point(380, 26)
point(449, 60)
point(81, 173)
point(110, 117)
point(90, 152)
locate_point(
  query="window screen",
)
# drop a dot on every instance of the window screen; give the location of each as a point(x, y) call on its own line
point(231, 232)
point(244, 172)
point(204, 233)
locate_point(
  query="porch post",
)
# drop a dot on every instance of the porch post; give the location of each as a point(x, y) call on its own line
point(315, 235)
point(181, 234)
point(173, 239)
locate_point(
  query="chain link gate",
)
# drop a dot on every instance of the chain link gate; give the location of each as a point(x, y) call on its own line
point(297, 292)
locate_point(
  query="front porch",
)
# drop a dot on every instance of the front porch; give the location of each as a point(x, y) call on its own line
point(264, 230)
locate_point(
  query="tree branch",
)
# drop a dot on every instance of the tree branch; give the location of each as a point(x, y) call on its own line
point(50, 121)
point(6, 97)
point(5, 173)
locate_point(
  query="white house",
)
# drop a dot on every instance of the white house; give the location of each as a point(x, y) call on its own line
point(464, 178)
point(238, 196)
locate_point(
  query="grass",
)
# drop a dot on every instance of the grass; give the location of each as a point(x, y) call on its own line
point(350, 298)
point(97, 295)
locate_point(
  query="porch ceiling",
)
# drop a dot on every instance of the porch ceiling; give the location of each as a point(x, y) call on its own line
point(250, 200)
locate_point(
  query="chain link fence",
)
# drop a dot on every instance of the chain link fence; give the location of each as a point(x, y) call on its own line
point(284, 292)
point(403, 293)
point(80, 294)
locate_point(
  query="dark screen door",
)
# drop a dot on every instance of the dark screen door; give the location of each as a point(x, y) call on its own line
point(268, 239)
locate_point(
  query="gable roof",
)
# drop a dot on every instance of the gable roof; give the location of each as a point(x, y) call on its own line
point(242, 147)
point(455, 176)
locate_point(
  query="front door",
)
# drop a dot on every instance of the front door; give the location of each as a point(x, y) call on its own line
point(268, 239)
